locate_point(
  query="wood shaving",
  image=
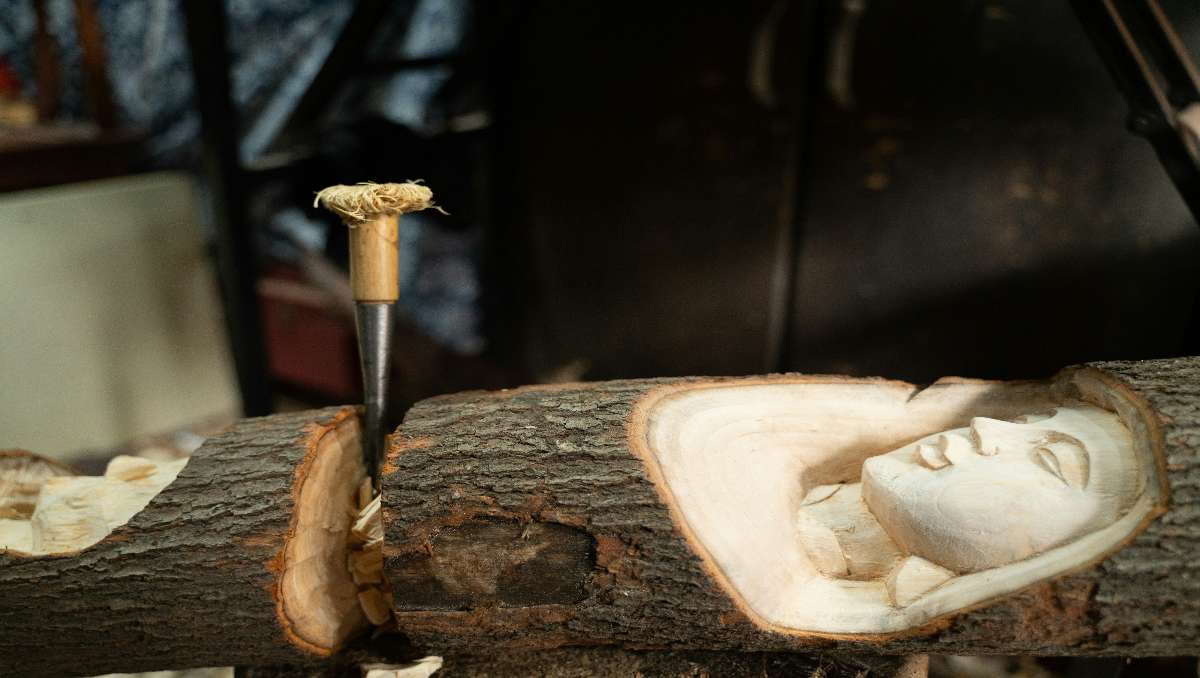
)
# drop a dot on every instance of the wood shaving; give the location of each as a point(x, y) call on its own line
point(365, 560)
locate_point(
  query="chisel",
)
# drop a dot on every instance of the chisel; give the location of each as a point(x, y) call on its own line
point(371, 211)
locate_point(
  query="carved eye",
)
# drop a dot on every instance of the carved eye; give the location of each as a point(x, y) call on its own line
point(1066, 460)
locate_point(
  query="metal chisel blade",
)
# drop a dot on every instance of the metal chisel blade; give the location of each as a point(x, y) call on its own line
point(374, 320)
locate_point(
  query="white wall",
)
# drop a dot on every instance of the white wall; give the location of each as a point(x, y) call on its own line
point(110, 325)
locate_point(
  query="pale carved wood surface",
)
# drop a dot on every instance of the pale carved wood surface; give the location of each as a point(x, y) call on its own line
point(800, 551)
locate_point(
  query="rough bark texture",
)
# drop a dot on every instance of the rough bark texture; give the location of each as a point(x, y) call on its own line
point(554, 465)
point(1145, 599)
point(190, 581)
point(618, 663)
point(612, 662)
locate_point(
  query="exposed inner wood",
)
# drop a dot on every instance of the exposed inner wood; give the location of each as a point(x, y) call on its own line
point(319, 598)
point(868, 507)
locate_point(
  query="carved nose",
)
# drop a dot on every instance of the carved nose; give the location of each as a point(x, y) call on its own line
point(994, 435)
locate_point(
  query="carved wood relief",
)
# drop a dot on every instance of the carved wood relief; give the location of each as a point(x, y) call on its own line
point(868, 507)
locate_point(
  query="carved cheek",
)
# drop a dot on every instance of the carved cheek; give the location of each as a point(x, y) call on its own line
point(1005, 515)
point(887, 473)
point(976, 503)
point(894, 489)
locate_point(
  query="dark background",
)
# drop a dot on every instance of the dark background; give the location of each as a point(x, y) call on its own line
point(652, 189)
point(980, 212)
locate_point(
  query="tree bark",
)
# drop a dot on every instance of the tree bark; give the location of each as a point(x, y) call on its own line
point(192, 580)
point(617, 663)
point(612, 662)
point(523, 519)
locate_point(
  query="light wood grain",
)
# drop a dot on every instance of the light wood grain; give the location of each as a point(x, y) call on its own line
point(374, 260)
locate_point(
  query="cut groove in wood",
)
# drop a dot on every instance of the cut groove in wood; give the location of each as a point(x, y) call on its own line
point(318, 596)
point(865, 507)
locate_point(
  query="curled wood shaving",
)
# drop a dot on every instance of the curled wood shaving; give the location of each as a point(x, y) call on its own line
point(61, 513)
point(365, 560)
point(367, 201)
point(22, 475)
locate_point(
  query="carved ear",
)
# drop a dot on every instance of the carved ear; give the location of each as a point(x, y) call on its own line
point(1067, 460)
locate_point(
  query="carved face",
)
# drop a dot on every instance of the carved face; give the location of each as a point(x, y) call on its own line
point(996, 492)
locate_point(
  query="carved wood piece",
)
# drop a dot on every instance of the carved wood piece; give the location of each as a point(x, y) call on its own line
point(715, 558)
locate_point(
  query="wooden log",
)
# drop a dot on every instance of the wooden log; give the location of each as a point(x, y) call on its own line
point(571, 515)
point(580, 515)
point(240, 560)
point(207, 572)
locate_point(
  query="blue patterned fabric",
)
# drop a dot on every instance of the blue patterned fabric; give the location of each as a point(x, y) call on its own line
point(276, 48)
point(271, 43)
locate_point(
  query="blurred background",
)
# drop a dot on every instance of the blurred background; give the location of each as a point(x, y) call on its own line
point(633, 189)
